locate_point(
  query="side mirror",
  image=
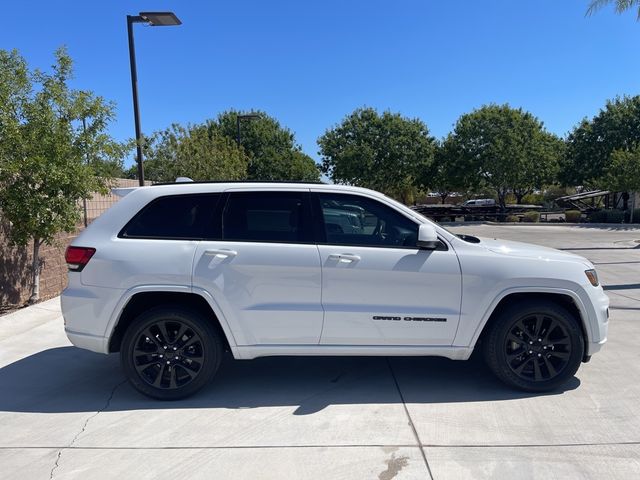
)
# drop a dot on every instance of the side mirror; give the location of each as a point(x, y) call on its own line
point(427, 237)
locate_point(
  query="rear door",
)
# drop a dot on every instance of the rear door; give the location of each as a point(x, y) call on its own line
point(378, 288)
point(263, 267)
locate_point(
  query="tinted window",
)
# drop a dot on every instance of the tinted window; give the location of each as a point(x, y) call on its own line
point(180, 216)
point(267, 217)
point(355, 220)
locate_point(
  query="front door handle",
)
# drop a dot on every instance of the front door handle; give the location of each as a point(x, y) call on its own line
point(221, 252)
point(345, 257)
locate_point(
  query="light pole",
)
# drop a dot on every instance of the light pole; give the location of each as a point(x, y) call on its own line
point(154, 19)
point(248, 116)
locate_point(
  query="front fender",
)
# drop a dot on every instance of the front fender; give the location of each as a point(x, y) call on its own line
point(468, 337)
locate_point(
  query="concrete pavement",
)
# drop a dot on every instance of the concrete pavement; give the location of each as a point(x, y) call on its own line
point(68, 413)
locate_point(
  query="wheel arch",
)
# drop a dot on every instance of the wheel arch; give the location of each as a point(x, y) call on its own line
point(139, 301)
point(565, 298)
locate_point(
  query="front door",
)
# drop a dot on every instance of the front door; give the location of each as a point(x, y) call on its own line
point(264, 269)
point(378, 288)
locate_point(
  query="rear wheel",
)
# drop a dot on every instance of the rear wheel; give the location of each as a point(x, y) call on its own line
point(534, 346)
point(170, 353)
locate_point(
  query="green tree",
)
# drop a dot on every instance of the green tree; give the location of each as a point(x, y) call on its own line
point(590, 145)
point(271, 148)
point(385, 152)
point(443, 177)
point(620, 6)
point(623, 173)
point(505, 149)
point(196, 151)
point(44, 149)
point(543, 169)
point(100, 150)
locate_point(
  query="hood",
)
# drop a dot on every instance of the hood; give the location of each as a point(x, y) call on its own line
point(528, 250)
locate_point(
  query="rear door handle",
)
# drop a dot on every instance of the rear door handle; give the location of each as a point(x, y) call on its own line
point(345, 257)
point(221, 252)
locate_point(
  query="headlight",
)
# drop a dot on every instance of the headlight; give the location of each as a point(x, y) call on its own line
point(592, 276)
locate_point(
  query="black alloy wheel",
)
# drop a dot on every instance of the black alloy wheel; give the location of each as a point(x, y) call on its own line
point(170, 352)
point(534, 345)
point(538, 347)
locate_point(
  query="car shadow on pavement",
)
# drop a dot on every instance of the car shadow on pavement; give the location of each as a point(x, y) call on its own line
point(68, 379)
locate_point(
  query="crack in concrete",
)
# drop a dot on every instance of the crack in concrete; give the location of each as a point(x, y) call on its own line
point(84, 427)
point(55, 465)
point(411, 424)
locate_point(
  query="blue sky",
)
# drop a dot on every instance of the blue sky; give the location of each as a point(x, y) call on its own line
point(310, 63)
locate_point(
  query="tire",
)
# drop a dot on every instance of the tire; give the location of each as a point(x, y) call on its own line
point(534, 346)
point(195, 352)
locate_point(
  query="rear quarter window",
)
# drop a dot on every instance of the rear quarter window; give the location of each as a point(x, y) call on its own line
point(175, 217)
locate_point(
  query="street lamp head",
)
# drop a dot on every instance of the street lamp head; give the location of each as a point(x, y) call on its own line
point(250, 116)
point(160, 19)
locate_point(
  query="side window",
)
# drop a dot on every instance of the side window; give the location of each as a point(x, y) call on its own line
point(174, 217)
point(267, 217)
point(355, 220)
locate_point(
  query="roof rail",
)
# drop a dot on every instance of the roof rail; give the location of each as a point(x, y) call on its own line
point(239, 181)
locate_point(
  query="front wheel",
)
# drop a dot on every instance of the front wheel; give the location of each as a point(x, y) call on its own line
point(170, 352)
point(534, 346)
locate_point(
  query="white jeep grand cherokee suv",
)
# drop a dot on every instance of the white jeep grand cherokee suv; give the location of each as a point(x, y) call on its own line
point(174, 275)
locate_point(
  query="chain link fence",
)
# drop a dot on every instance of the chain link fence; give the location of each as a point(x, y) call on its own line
point(98, 204)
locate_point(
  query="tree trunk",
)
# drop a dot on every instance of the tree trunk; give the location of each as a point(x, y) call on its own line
point(503, 205)
point(35, 272)
point(443, 198)
point(519, 198)
point(625, 200)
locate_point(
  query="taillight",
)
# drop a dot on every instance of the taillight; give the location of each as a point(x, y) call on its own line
point(78, 257)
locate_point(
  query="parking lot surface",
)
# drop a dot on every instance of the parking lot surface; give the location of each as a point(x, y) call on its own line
point(69, 413)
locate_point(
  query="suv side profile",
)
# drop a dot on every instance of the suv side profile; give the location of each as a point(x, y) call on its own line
point(173, 275)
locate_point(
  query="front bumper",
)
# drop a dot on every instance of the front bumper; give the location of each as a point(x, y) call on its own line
point(597, 306)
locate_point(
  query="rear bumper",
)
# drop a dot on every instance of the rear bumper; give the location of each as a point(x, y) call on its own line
point(87, 311)
point(88, 342)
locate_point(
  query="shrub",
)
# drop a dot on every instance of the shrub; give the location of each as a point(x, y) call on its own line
point(636, 215)
point(512, 218)
point(509, 198)
point(599, 216)
point(554, 191)
point(533, 199)
point(606, 216)
point(573, 216)
point(615, 216)
point(531, 217)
